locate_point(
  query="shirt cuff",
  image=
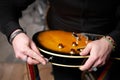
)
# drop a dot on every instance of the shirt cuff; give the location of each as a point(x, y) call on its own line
point(11, 27)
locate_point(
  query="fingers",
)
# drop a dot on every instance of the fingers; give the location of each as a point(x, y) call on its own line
point(90, 60)
point(92, 63)
point(26, 50)
point(22, 57)
point(88, 64)
point(33, 47)
point(98, 55)
point(31, 56)
point(32, 61)
point(26, 58)
point(93, 60)
point(35, 56)
point(97, 64)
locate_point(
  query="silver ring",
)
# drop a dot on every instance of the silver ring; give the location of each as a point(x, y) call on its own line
point(94, 68)
point(26, 58)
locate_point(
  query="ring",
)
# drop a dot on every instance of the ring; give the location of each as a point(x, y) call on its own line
point(26, 58)
point(94, 68)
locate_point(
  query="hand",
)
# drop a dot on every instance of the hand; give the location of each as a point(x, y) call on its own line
point(99, 51)
point(24, 47)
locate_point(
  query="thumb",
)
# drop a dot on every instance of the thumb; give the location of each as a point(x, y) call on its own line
point(86, 51)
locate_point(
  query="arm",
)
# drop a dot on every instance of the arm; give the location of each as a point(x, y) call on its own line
point(101, 50)
point(23, 46)
point(115, 34)
point(10, 14)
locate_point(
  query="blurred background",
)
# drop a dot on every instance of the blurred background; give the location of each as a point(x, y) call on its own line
point(32, 21)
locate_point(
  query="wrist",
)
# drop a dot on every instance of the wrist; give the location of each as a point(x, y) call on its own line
point(110, 40)
point(14, 34)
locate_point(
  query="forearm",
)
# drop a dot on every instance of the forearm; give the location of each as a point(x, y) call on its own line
point(8, 18)
point(115, 34)
point(10, 13)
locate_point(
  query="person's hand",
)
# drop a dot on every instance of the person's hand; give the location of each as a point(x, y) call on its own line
point(26, 50)
point(99, 51)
